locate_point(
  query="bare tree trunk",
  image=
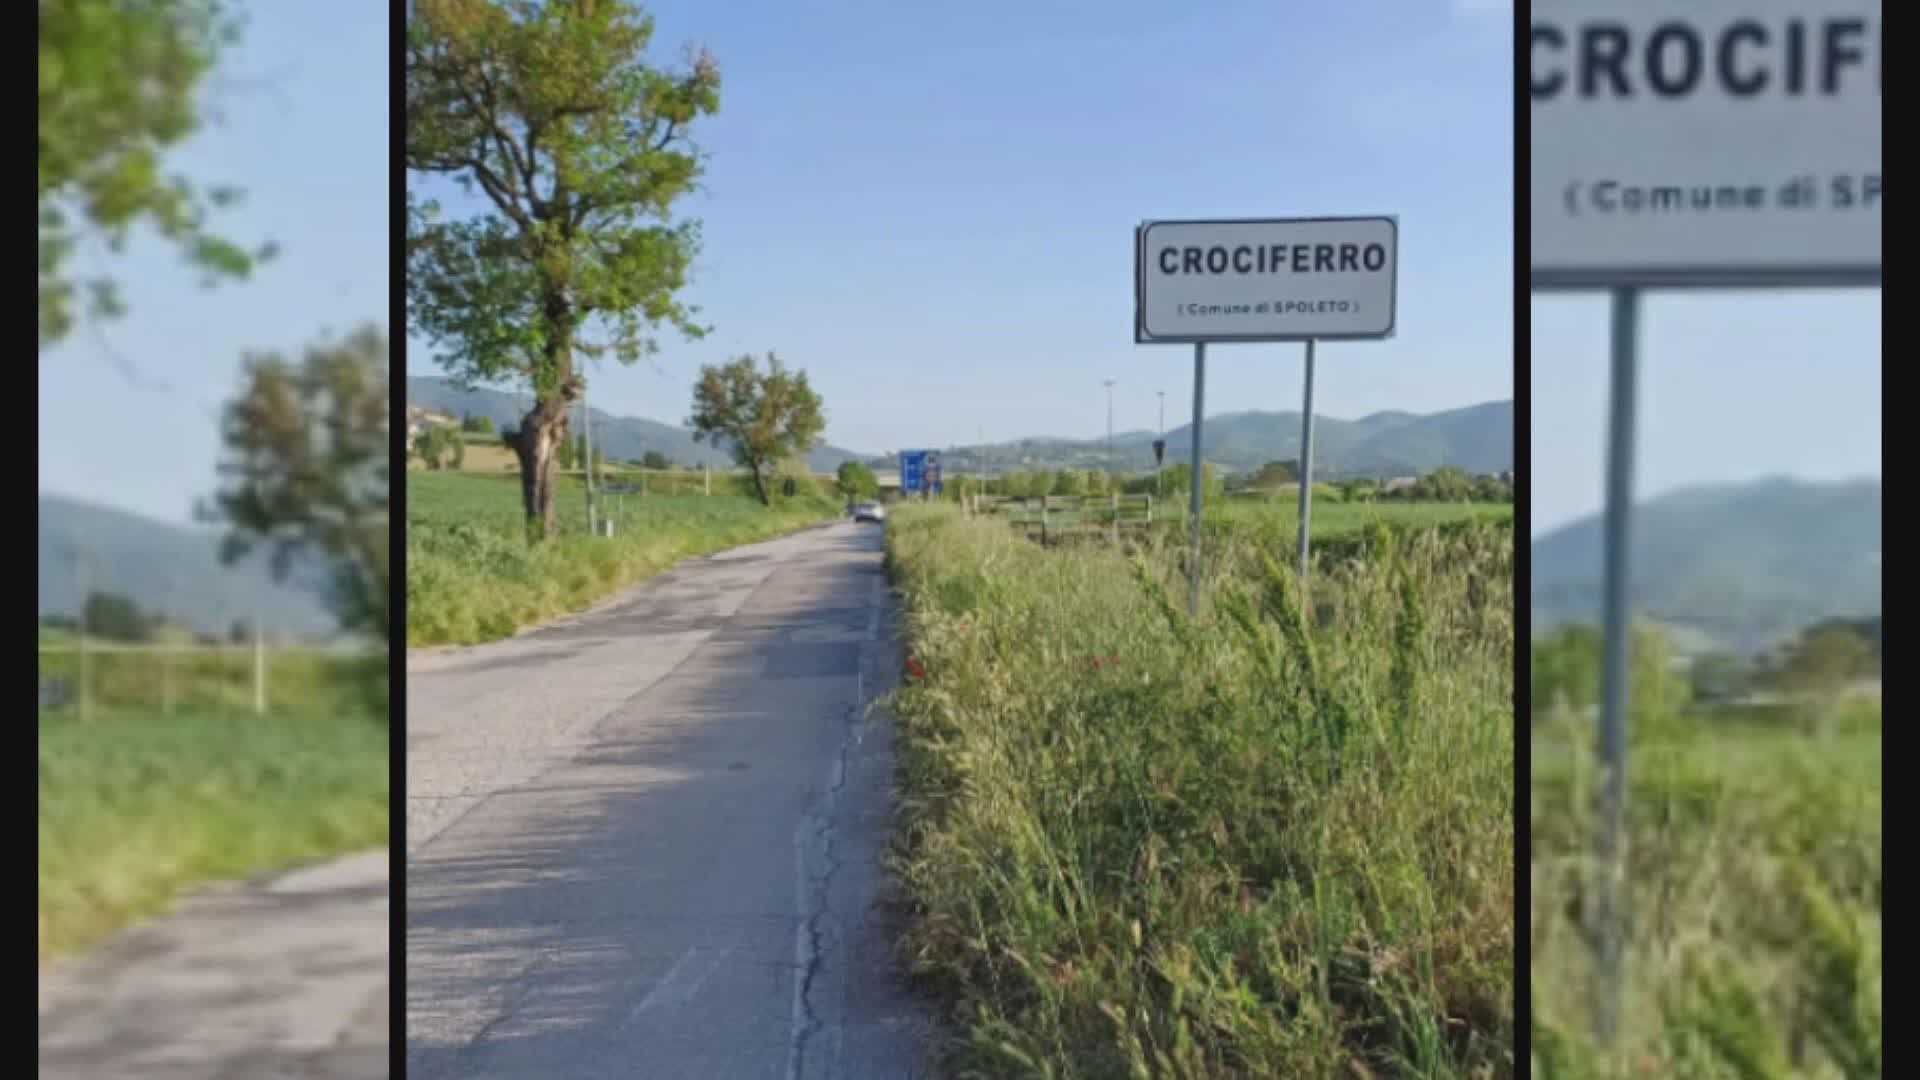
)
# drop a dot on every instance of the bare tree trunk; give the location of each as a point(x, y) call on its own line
point(545, 426)
point(760, 485)
point(537, 446)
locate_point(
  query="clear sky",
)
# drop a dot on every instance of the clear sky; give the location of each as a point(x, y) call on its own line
point(1733, 387)
point(930, 207)
point(305, 131)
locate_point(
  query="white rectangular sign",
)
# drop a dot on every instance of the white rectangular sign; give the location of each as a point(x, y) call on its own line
point(1272, 280)
point(1714, 142)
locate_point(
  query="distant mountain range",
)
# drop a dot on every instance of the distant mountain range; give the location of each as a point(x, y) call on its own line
point(171, 570)
point(1736, 568)
point(1478, 439)
point(623, 438)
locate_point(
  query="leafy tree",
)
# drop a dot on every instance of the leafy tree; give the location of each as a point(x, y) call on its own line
point(581, 149)
point(1069, 482)
point(763, 417)
point(305, 468)
point(857, 481)
point(1178, 480)
point(1447, 484)
point(568, 453)
point(240, 632)
point(1721, 677)
point(1566, 668)
point(115, 617)
point(477, 425)
point(438, 446)
point(1824, 661)
point(1276, 474)
point(657, 461)
point(118, 89)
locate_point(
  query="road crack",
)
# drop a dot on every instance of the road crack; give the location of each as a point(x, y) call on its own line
point(817, 910)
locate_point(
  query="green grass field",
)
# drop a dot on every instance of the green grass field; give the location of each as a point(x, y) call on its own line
point(1755, 897)
point(1276, 841)
point(1330, 518)
point(136, 808)
point(471, 575)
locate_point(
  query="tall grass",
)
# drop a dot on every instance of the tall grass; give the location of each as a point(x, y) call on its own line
point(1753, 903)
point(471, 575)
point(1275, 841)
point(136, 807)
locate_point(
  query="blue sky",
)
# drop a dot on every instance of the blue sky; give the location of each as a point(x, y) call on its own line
point(1733, 387)
point(930, 207)
point(305, 131)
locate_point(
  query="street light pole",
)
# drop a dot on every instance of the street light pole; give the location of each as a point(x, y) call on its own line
point(1109, 385)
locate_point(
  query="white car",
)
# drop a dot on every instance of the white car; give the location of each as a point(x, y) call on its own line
point(869, 511)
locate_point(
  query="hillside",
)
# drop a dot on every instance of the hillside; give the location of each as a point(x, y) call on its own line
point(623, 438)
point(1732, 567)
point(170, 569)
point(1478, 439)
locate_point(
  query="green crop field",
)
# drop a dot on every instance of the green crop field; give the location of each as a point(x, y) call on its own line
point(471, 575)
point(1754, 898)
point(136, 807)
point(1273, 841)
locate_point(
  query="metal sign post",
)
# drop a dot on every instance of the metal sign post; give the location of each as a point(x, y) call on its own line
point(1262, 280)
point(1193, 496)
point(1306, 461)
point(1759, 185)
point(1616, 619)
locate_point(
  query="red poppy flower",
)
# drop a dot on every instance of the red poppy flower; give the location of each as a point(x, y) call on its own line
point(914, 669)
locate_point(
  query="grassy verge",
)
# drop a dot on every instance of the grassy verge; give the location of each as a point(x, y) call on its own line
point(1754, 903)
point(1278, 515)
point(1277, 841)
point(472, 577)
point(135, 808)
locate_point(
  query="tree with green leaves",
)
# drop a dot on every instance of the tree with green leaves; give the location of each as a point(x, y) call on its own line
point(115, 617)
point(857, 481)
point(119, 89)
point(1277, 474)
point(305, 468)
point(655, 460)
point(477, 425)
point(1821, 665)
point(580, 148)
point(763, 417)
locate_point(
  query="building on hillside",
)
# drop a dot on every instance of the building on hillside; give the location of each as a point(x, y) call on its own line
point(419, 419)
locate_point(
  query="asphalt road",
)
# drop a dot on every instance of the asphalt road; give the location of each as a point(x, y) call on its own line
point(284, 977)
point(643, 842)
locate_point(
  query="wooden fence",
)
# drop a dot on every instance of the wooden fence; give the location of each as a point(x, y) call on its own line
point(1053, 519)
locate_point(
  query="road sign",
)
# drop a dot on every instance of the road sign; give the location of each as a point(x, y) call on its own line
point(1719, 142)
point(912, 469)
point(1277, 279)
point(930, 474)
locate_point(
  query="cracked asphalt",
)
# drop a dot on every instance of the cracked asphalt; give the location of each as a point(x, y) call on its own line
point(644, 842)
point(281, 976)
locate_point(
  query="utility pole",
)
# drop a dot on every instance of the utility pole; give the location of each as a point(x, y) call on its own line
point(1109, 385)
point(586, 442)
point(1159, 481)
